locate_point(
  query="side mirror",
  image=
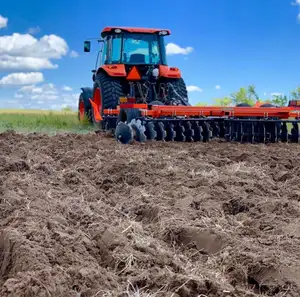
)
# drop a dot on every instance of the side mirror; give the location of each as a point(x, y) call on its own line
point(87, 46)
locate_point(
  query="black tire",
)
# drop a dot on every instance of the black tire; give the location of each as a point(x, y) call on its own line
point(243, 105)
point(110, 88)
point(268, 105)
point(180, 87)
point(86, 104)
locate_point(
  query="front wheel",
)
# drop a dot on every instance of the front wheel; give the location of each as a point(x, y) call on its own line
point(84, 106)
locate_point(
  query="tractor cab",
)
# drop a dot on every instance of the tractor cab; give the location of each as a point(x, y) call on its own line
point(132, 46)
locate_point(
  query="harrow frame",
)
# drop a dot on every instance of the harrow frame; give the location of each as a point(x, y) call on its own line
point(142, 122)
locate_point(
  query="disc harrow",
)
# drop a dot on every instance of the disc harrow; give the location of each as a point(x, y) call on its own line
point(200, 124)
point(167, 129)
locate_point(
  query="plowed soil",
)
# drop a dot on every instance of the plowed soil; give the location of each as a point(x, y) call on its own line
point(84, 216)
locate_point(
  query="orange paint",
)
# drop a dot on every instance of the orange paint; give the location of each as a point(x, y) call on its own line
point(134, 105)
point(169, 72)
point(81, 111)
point(133, 74)
point(157, 111)
point(97, 105)
point(114, 70)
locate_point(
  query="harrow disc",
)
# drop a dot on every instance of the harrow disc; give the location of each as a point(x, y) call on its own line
point(189, 132)
point(160, 130)
point(180, 135)
point(124, 133)
point(171, 134)
point(138, 130)
point(150, 131)
point(197, 131)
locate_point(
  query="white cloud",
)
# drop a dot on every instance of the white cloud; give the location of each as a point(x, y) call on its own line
point(17, 79)
point(297, 2)
point(3, 21)
point(25, 63)
point(18, 95)
point(48, 89)
point(34, 30)
point(74, 54)
point(218, 87)
point(193, 89)
point(67, 89)
point(48, 95)
point(25, 45)
point(25, 52)
point(174, 49)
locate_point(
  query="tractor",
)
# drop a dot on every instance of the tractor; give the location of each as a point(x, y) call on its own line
point(138, 97)
point(131, 63)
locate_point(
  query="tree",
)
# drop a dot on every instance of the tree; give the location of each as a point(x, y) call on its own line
point(243, 96)
point(252, 92)
point(226, 101)
point(279, 100)
point(295, 94)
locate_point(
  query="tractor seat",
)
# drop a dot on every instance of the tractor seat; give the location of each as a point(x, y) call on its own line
point(137, 58)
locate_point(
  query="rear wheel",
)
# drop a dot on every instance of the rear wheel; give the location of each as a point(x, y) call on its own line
point(106, 93)
point(179, 89)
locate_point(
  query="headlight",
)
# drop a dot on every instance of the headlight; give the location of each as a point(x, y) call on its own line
point(118, 30)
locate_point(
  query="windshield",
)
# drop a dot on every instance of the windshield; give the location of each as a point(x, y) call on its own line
point(136, 49)
point(140, 49)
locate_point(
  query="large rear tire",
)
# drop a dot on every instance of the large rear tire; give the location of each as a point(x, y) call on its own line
point(110, 88)
point(106, 93)
point(180, 87)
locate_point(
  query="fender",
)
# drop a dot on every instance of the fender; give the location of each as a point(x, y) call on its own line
point(115, 70)
point(169, 72)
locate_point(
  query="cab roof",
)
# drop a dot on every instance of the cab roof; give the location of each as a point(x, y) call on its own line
point(107, 30)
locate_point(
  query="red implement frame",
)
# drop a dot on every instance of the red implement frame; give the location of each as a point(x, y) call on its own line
point(157, 111)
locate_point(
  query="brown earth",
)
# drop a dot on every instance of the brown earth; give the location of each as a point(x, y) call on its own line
point(84, 216)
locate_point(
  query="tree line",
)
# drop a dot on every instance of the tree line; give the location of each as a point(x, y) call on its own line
point(249, 96)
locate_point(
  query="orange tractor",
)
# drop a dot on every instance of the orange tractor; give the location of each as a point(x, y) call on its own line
point(137, 96)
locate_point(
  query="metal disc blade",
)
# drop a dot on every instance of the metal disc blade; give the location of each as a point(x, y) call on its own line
point(124, 133)
point(205, 132)
point(160, 130)
point(138, 130)
point(171, 134)
point(179, 129)
point(189, 132)
point(197, 131)
point(150, 131)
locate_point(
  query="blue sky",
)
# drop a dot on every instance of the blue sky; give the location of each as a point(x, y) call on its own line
point(223, 45)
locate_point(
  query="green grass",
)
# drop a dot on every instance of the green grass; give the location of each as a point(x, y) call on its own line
point(50, 122)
